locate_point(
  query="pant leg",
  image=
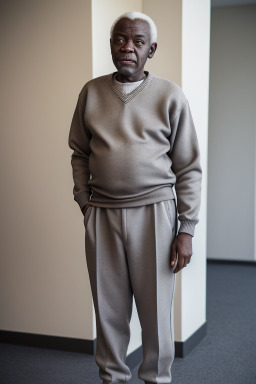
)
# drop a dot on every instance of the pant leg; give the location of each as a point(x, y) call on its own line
point(111, 290)
point(150, 232)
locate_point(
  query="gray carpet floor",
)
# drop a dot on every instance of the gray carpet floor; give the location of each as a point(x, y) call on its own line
point(227, 355)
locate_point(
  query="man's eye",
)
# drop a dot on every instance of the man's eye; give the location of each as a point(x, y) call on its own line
point(139, 42)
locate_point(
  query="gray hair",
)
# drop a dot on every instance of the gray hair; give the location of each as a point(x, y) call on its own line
point(140, 16)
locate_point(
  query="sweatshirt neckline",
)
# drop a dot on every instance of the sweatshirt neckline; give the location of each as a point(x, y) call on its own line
point(125, 98)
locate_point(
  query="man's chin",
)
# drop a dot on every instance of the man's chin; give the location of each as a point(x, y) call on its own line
point(126, 71)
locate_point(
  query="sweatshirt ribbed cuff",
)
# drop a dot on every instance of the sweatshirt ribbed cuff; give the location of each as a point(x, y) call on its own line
point(82, 199)
point(187, 226)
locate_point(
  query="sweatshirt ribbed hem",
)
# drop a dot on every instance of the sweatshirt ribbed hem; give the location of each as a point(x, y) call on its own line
point(155, 196)
point(188, 226)
point(82, 199)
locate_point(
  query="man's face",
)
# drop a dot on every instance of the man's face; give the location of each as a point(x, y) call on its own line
point(130, 48)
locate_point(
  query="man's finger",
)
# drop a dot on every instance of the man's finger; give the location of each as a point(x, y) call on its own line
point(177, 269)
point(179, 265)
point(183, 262)
point(173, 255)
point(187, 260)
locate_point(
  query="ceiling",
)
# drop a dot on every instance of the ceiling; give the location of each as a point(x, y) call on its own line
point(224, 3)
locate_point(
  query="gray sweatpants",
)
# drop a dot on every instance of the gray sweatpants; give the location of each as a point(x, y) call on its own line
point(128, 253)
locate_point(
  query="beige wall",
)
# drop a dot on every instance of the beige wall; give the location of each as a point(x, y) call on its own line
point(44, 62)
point(50, 49)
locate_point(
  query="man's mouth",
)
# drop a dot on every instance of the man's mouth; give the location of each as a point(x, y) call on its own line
point(126, 60)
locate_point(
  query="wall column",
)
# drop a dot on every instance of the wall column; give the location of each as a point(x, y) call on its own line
point(183, 57)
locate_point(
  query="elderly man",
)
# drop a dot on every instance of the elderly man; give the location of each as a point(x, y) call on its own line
point(133, 140)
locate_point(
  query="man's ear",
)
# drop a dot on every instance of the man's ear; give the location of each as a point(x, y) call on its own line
point(152, 50)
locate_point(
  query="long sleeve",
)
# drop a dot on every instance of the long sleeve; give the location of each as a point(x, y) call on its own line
point(79, 141)
point(185, 158)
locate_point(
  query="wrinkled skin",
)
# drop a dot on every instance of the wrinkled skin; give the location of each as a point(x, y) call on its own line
point(130, 48)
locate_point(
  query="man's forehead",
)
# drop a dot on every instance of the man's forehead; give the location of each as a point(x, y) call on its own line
point(137, 26)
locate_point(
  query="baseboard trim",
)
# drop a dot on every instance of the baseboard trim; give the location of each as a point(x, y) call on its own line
point(182, 348)
point(226, 261)
point(89, 346)
point(50, 342)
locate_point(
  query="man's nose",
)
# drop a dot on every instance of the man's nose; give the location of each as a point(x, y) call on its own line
point(127, 47)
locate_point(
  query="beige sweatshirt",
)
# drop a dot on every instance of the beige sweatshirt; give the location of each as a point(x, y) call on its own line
point(131, 149)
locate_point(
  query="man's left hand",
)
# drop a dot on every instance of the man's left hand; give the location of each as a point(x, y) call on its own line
point(182, 249)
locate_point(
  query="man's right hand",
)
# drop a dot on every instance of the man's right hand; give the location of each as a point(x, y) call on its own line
point(181, 249)
point(85, 209)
